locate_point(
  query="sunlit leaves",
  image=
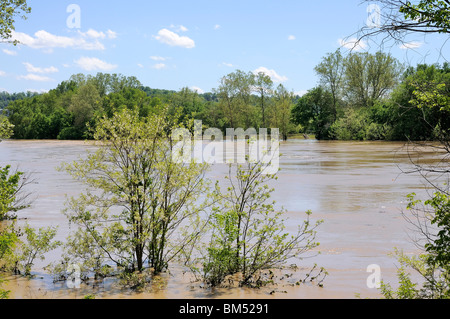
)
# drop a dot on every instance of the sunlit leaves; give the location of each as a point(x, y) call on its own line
point(248, 234)
point(6, 128)
point(9, 11)
point(138, 199)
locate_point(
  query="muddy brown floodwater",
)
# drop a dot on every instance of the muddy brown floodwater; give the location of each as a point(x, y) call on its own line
point(357, 188)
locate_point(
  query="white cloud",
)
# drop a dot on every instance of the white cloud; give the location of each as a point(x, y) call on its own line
point(411, 45)
point(217, 27)
point(9, 52)
point(272, 74)
point(92, 64)
point(32, 69)
point(196, 88)
point(159, 66)
point(353, 44)
point(91, 33)
point(291, 37)
point(158, 58)
point(2, 73)
point(140, 65)
point(35, 77)
point(173, 39)
point(47, 41)
point(179, 28)
point(111, 34)
point(228, 64)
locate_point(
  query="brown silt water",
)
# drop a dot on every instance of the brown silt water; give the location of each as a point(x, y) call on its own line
point(357, 188)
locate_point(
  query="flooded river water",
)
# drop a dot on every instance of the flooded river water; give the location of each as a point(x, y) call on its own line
point(357, 188)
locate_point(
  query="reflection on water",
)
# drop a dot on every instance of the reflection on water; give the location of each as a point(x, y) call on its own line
point(357, 188)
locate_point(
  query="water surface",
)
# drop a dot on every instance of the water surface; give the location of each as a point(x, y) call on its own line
point(357, 188)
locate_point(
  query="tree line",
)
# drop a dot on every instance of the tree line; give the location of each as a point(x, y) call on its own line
point(361, 96)
point(6, 98)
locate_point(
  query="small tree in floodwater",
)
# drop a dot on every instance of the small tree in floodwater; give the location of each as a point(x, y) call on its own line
point(247, 234)
point(139, 199)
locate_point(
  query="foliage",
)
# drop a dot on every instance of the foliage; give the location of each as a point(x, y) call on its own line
point(362, 125)
point(9, 10)
point(4, 294)
point(6, 98)
point(248, 234)
point(37, 243)
point(134, 216)
point(234, 94)
point(433, 266)
point(6, 128)
point(280, 112)
point(438, 249)
point(12, 196)
point(370, 77)
point(263, 86)
point(314, 112)
point(418, 104)
point(346, 105)
point(19, 250)
point(9, 239)
point(352, 126)
point(431, 13)
point(406, 290)
point(64, 112)
point(331, 73)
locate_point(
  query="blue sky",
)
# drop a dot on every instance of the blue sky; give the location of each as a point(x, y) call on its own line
point(173, 44)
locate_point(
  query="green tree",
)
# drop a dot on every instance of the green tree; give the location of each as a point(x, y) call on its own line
point(36, 244)
point(353, 125)
point(84, 104)
point(314, 111)
point(281, 111)
point(416, 110)
point(140, 205)
point(263, 86)
point(189, 101)
point(6, 128)
point(331, 72)
point(370, 77)
point(9, 11)
point(106, 83)
point(432, 14)
point(248, 233)
point(234, 94)
point(13, 197)
point(9, 239)
point(432, 96)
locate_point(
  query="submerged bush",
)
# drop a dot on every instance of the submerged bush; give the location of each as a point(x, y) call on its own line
point(248, 235)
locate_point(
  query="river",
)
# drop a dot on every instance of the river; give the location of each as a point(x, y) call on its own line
point(357, 188)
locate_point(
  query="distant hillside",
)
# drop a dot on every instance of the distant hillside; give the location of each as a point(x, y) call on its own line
point(210, 97)
point(6, 98)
